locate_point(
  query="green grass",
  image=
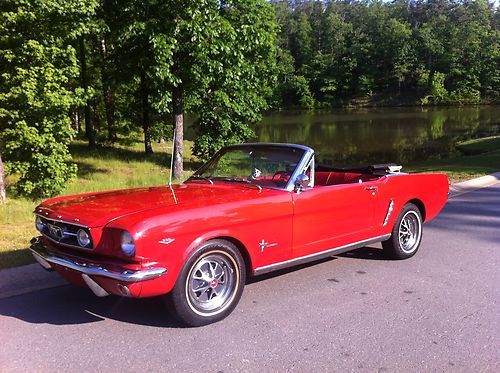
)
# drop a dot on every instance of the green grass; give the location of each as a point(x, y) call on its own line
point(98, 169)
point(479, 157)
point(479, 146)
point(127, 166)
point(461, 168)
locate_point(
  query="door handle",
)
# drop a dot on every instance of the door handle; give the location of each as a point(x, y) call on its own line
point(372, 188)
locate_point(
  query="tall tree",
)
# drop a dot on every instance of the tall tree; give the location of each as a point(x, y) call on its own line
point(242, 74)
point(37, 61)
point(108, 91)
point(3, 194)
point(204, 56)
point(345, 50)
point(89, 126)
point(137, 25)
point(105, 39)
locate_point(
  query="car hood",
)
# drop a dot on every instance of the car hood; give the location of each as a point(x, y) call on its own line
point(97, 209)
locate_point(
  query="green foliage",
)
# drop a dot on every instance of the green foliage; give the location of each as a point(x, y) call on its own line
point(131, 65)
point(296, 92)
point(350, 49)
point(465, 96)
point(438, 91)
point(123, 63)
point(37, 65)
point(219, 60)
point(236, 75)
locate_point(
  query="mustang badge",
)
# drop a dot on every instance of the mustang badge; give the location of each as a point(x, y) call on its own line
point(263, 245)
point(56, 231)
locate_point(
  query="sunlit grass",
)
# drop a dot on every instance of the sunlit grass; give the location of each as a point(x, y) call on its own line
point(16, 229)
point(479, 146)
point(460, 168)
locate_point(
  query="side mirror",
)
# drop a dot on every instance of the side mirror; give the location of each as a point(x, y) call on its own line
point(301, 183)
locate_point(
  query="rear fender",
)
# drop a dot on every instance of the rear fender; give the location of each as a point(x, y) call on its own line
point(431, 190)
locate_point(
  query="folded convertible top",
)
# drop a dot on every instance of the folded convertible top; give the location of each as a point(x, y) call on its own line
point(376, 169)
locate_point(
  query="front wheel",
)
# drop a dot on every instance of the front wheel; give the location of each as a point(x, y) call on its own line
point(210, 284)
point(406, 234)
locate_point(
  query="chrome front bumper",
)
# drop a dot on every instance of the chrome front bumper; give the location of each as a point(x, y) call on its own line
point(45, 258)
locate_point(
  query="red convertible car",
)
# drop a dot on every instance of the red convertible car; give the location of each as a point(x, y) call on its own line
point(251, 209)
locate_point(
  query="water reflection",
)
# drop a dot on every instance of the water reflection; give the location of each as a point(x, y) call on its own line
point(353, 137)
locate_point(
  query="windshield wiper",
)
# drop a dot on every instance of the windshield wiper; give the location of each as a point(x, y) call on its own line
point(199, 177)
point(240, 180)
point(236, 180)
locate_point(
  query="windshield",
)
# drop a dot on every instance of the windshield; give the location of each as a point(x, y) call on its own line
point(266, 166)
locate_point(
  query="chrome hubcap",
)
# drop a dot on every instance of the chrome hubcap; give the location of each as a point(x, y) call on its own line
point(409, 232)
point(211, 283)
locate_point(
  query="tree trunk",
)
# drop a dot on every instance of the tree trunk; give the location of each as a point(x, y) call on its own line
point(3, 195)
point(78, 121)
point(148, 148)
point(178, 102)
point(89, 129)
point(108, 94)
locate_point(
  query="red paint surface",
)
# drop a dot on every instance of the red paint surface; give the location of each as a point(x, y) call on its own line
point(291, 225)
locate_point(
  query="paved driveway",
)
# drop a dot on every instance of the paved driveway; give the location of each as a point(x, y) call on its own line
point(438, 311)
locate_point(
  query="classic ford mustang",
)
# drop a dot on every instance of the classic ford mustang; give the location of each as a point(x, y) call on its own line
point(251, 209)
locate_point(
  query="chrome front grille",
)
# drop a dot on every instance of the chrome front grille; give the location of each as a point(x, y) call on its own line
point(62, 232)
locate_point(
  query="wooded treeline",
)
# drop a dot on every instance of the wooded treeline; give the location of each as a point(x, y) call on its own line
point(101, 69)
point(399, 52)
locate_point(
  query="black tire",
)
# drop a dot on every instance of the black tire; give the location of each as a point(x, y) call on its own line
point(217, 269)
point(406, 234)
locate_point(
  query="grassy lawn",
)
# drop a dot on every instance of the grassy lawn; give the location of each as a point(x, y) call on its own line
point(479, 146)
point(127, 166)
point(100, 169)
point(480, 157)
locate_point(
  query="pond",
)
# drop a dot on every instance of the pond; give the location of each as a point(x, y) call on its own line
point(378, 135)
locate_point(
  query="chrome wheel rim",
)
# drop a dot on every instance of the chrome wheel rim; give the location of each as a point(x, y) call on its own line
point(211, 283)
point(410, 230)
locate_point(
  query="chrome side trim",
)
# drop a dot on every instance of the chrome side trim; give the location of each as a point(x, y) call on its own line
point(319, 255)
point(282, 144)
point(166, 241)
point(389, 212)
point(308, 152)
point(40, 253)
point(62, 221)
point(301, 167)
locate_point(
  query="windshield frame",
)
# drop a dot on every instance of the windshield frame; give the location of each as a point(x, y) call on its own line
point(300, 168)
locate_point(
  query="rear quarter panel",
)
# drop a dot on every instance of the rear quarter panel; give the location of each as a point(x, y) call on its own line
point(431, 190)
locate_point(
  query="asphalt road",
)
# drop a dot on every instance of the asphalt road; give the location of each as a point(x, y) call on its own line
point(438, 311)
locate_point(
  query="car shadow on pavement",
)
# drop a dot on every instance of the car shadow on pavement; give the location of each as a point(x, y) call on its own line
point(68, 305)
point(367, 253)
point(284, 271)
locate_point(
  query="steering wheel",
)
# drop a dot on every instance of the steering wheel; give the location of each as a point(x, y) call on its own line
point(280, 175)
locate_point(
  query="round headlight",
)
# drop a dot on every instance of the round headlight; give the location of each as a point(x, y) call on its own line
point(127, 244)
point(83, 237)
point(40, 225)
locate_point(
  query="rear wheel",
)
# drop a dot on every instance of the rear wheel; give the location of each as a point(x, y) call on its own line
point(406, 234)
point(210, 284)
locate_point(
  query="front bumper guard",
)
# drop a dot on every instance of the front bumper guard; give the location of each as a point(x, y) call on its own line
point(45, 258)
